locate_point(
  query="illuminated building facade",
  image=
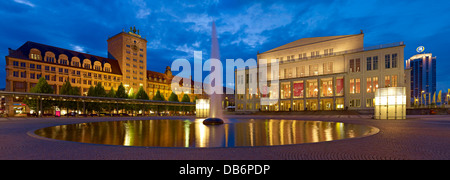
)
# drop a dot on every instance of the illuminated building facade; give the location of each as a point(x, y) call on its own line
point(126, 64)
point(423, 77)
point(328, 73)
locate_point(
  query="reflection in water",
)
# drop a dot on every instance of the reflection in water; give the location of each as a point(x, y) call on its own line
point(185, 133)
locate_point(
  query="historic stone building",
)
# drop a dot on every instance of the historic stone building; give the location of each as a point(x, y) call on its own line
point(126, 64)
point(328, 73)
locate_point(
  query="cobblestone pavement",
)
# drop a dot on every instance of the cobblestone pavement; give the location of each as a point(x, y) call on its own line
point(417, 137)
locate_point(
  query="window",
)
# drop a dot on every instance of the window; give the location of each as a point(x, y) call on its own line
point(286, 90)
point(387, 61)
point(15, 63)
point(16, 73)
point(339, 86)
point(369, 63)
point(375, 63)
point(32, 66)
point(355, 85)
point(47, 68)
point(314, 70)
point(328, 68)
point(32, 76)
point(352, 86)
point(300, 71)
point(298, 89)
point(325, 52)
point(35, 56)
point(394, 60)
point(369, 84)
point(358, 65)
point(394, 81)
point(369, 102)
point(38, 67)
point(352, 65)
point(53, 69)
point(355, 103)
point(387, 81)
point(313, 54)
point(38, 76)
point(358, 86)
point(326, 87)
point(375, 83)
point(22, 64)
point(311, 88)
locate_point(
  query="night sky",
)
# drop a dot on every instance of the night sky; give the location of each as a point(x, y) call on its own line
point(175, 28)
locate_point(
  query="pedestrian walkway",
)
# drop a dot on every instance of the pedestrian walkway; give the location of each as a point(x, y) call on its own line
point(417, 137)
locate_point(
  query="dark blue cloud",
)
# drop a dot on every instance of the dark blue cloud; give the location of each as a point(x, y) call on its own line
point(174, 29)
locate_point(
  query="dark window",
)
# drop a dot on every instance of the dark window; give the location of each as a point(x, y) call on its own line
point(369, 63)
point(387, 61)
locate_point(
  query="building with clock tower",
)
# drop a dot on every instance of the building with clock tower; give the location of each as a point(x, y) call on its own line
point(130, 50)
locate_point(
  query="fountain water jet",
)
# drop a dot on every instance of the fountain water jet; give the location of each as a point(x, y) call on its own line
point(215, 113)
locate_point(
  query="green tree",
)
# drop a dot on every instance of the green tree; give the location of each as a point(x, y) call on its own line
point(173, 98)
point(159, 97)
point(110, 106)
point(141, 94)
point(99, 90)
point(186, 99)
point(121, 93)
point(67, 89)
point(111, 93)
point(41, 87)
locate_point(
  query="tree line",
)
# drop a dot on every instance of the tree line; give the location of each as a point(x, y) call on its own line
point(108, 108)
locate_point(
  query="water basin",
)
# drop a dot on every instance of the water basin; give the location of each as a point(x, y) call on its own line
point(194, 134)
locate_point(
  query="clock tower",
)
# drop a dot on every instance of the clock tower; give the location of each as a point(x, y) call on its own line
point(130, 50)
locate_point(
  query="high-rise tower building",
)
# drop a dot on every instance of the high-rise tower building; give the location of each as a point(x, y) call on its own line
point(423, 76)
point(130, 50)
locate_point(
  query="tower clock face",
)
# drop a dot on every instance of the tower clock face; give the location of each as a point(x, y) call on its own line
point(134, 47)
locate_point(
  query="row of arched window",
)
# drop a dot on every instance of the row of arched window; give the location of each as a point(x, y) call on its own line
point(64, 60)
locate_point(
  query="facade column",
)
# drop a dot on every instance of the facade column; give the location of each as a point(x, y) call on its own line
point(334, 93)
point(319, 89)
point(304, 94)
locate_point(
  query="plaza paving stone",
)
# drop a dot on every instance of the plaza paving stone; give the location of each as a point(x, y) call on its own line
point(417, 137)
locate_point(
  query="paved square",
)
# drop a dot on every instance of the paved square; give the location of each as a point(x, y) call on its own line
point(417, 137)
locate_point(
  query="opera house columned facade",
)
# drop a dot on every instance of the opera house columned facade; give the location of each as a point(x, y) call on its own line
point(328, 73)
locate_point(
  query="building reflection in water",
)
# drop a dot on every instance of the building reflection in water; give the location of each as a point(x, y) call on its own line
point(186, 133)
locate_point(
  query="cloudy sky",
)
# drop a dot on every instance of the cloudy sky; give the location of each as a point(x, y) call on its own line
point(174, 29)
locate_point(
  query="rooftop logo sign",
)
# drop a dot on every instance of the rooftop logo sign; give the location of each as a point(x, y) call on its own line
point(420, 49)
